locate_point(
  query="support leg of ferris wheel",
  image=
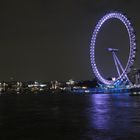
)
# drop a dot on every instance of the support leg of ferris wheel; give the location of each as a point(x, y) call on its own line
point(116, 64)
point(119, 63)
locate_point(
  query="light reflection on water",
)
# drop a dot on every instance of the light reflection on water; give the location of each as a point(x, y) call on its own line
point(114, 117)
point(70, 117)
point(100, 109)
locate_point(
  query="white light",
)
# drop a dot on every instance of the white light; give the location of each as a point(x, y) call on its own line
point(113, 79)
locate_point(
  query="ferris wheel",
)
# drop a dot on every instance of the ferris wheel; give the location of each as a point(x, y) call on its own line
point(122, 71)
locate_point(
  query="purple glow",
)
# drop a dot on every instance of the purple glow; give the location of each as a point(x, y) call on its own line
point(132, 42)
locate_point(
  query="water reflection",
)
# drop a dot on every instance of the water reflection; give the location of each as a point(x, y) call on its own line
point(100, 111)
point(66, 117)
point(113, 115)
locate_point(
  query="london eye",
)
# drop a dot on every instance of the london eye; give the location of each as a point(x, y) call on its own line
point(121, 70)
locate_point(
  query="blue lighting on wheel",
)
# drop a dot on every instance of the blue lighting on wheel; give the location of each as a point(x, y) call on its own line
point(132, 43)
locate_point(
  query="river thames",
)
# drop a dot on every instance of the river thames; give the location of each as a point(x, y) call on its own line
point(70, 117)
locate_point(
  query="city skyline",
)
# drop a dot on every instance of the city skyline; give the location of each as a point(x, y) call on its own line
point(50, 40)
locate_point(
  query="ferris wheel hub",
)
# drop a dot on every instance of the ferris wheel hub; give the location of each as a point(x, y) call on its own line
point(113, 50)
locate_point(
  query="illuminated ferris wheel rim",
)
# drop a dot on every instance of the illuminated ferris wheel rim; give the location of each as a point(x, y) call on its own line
point(132, 46)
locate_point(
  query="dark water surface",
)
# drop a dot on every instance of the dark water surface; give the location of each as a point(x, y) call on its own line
point(70, 117)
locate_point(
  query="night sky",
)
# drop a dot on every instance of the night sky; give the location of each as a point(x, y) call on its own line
point(50, 39)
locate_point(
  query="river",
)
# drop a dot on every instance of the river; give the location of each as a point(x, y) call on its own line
point(70, 117)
